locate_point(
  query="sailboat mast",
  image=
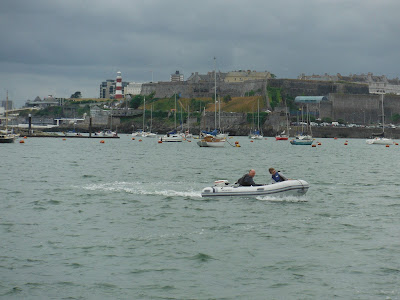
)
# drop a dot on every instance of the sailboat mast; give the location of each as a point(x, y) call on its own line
point(383, 117)
point(175, 113)
point(258, 114)
point(188, 119)
point(151, 118)
point(215, 92)
point(144, 110)
point(7, 112)
point(219, 113)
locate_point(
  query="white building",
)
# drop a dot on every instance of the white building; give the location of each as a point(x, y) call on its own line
point(133, 88)
point(177, 77)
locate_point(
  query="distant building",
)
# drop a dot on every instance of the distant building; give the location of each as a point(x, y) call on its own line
point(177, 77)
point(108, 88)
point(240, 76)
point(7, 104)
point(46, 102)
point(133, 88)
point(377, 84)
point(209, 77)
point(310, 99)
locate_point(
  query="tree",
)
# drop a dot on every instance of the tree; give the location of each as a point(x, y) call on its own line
point(227, 98)
point(396, 118)
point(136, 101)
point(76, 95)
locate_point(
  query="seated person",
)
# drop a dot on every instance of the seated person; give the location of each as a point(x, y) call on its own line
point(276, 176)
point(247, 179)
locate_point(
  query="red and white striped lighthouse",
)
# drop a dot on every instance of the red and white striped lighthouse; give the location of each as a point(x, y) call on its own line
point(118, 90)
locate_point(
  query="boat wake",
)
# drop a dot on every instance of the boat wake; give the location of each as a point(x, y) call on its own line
point(139, 188)
point(282, 198)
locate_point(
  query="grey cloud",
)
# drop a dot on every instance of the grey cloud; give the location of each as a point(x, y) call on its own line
point(84, 42)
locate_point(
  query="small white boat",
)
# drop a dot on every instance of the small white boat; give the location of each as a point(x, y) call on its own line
point(255, 136)
point(380, 141)
point(149, 134)
point(107, 133)
point(285, 188)
point(171, 137)
point(6, 138)
point(137, 133)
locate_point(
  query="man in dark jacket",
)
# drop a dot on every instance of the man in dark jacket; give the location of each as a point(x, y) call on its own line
point(247, 179)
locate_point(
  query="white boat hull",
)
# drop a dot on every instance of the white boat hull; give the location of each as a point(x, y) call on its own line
point(284, 188)
point(211, 144)
point(171, 138)
point(256, 137)
point(380, 141)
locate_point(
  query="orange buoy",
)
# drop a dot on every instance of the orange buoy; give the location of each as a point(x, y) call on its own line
point(21, 141)
point(335, 138)
point(133, 139)
point(313, 145)
point(251, 141)
point(25, 137)
point(64, 139)
point(345, 144)
point(160, 142)
point(189, 141)
point(236, 142)
point(319, 144)
point(102, 142)
point(396, 144)
point(140, 140)
point(387, 146)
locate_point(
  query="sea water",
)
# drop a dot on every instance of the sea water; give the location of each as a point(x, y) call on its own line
point(125, 220)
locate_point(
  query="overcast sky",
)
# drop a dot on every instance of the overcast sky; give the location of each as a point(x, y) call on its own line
point(54, 47)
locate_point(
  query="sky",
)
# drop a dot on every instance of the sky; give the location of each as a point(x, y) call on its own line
point(58, 47)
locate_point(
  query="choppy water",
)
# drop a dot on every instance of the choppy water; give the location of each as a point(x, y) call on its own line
point(125, 220)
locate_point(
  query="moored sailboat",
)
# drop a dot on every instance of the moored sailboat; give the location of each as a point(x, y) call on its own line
point(380, 139)
point(7, 137)
point(256, 134)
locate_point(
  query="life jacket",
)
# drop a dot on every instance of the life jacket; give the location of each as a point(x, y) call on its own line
point(277, 177)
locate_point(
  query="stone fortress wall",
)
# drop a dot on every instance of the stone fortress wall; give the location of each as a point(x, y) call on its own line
point(351, 98)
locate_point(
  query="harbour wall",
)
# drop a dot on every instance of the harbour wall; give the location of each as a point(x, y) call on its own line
point(357, 108)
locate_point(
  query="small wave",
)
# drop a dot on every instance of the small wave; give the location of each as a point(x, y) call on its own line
point(133, 188)
point(202, 257)
point(282, 199)
point(88, 176)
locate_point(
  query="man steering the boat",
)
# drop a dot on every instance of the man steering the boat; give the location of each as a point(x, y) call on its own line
point(247, 179)
point(276, 176)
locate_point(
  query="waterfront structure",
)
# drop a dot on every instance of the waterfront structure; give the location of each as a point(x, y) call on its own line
point(177, 77)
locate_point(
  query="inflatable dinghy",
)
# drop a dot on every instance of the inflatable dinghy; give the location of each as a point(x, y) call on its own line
point(284, 188)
